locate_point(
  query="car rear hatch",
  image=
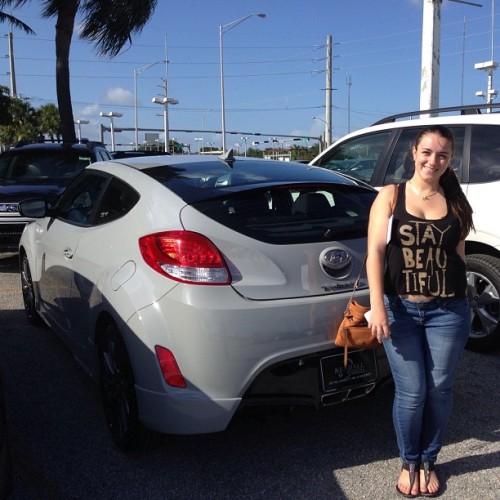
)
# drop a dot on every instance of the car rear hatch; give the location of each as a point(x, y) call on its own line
point(288, 240)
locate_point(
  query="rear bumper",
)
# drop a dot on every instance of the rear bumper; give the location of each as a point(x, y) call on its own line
point(301, 381)
point(295, 382)
point(184, 412)
point(235, 353)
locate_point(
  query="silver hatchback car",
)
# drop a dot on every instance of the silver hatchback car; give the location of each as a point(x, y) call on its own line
point(190, 287)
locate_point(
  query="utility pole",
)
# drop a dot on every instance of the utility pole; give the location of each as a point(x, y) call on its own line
point(13, 90)
point(489, 66)
point(328, 103)
point(349, 85)
point(431, 50)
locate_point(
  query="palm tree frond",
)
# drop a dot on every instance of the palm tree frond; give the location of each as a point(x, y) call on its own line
point(110, 24)
point(7, 18)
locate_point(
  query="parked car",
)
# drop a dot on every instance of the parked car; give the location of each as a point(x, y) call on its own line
point(41, 169)
point(117, 155)
point(384, 151)
point(191, 287)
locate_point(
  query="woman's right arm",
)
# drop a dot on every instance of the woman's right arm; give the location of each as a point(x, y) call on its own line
point(375, 263)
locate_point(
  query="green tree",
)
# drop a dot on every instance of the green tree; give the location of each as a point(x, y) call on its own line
point(304, 153)
point(22, 122)
point(109, 24)
point(4, 91)
point(255, 153)
point(4, 105)
point(49, 121)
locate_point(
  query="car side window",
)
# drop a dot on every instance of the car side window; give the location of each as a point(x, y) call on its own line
point(118, 200)
point(357, 157)
point(484, 154)
point(79, 202)
point(401, 166)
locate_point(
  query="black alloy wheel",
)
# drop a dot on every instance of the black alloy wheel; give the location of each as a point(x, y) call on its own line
point(28, 290)
point(118, 392)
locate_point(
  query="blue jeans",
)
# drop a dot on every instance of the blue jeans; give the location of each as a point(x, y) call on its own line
point(426, 342)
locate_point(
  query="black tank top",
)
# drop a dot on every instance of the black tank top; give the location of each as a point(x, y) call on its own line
point(422, 256)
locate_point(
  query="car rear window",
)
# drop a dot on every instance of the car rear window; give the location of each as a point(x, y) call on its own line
point(195, 181)
point(271, 201)
point(284, 215)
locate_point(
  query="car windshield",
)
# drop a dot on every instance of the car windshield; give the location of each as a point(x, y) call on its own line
point(30, 166)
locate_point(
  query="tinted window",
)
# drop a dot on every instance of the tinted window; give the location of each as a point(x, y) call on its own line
point(118, 199)
point(485, 154)
point(357, 157)
point(197, 181)
point(294, 214)
point(80, 201)
point(401, 164)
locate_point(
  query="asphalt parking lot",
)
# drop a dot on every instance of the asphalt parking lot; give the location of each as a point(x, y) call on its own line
point(61, 448)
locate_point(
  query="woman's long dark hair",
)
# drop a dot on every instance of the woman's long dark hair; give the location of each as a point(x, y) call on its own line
point(453, 193)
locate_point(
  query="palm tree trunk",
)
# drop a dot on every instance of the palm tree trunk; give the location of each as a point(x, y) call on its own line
point(64, 32)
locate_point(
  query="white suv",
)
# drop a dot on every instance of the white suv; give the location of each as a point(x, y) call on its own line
point(381, 154)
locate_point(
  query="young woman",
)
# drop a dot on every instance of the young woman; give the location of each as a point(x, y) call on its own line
point(419, 308)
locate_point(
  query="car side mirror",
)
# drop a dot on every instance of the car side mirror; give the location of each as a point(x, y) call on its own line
point(35, 209)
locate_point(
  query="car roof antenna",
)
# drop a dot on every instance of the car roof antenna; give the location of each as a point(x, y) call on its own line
point(227, 157)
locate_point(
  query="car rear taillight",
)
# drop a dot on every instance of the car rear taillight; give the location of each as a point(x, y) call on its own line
point(185, 256)
point(169, 367)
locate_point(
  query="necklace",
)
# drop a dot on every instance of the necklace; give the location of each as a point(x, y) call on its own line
point(424, 197)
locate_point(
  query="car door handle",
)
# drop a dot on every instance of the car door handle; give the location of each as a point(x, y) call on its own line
point(68, 253)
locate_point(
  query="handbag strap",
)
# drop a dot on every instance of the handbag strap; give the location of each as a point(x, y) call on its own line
point(355, 286)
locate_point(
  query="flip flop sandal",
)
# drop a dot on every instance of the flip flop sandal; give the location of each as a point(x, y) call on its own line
point(428, 467)
point(412, 468)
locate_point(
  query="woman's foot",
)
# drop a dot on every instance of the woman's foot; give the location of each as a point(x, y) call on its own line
point(408, 484)
point(429, 482)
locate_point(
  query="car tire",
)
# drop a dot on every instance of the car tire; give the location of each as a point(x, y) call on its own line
point(483, 280)
point(118, 392)
point(29, 297)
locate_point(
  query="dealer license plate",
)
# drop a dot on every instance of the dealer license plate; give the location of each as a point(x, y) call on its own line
point(361, 369)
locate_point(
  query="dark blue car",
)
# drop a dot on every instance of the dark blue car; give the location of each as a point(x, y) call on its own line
point(41, 170)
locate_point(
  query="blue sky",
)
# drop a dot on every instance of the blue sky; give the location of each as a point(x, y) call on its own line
point(274, 67)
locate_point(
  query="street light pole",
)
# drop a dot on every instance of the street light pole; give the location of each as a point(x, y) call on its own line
point(245, 139)
point(111, 115)
point(165, 101)
point(136, 120)
point(224, 29)
point(321, 120)
point(80, 123)
point(199, 140)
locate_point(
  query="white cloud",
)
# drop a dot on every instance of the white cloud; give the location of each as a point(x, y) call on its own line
point(117, 95)
point(89, 111)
